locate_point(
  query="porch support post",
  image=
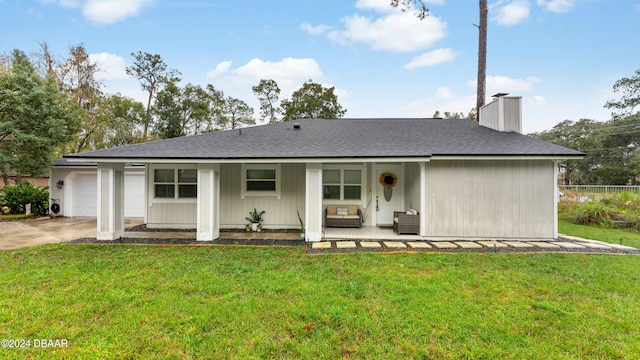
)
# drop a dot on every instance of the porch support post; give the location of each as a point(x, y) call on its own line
point(110, 212)
point(208, 203)
point(556, 198)
point(313, 203)
point(423, 198)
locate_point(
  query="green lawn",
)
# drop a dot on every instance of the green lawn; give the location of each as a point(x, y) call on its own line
point(629, 238)
point(146, 302)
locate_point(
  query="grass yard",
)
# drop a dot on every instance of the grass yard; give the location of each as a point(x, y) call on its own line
point(155, 302)
point(616, 236)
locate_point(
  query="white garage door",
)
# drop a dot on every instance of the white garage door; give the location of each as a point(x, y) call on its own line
point(84, 197)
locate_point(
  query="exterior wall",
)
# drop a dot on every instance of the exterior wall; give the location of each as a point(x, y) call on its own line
point(280, 213)
point(490, 199)
point(412, 186)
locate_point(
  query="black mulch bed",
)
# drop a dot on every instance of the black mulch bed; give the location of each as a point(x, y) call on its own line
point(143, 227)
point(138, 241)
point(408, 249)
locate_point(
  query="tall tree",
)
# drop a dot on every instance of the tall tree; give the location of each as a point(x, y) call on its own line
point(422, 12)
point(482, 58)
point(46, 63)
point(421, 9)
point(125, 117)
point(168, 111)
point(153, 74)
point(630, 90)
point(583, 135)
point(76, 77)
point(312, 101)
point(237, 113)
point(268, 92)
point(35, 119)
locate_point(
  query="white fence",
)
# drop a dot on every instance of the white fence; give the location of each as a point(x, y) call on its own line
point(600, 189)
point(583, 193)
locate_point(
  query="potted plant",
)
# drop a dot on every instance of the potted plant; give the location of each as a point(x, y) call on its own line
point(255, 219)
point(301, 224)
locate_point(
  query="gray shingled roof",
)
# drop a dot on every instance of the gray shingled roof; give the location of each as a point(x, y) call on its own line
point(341, 138)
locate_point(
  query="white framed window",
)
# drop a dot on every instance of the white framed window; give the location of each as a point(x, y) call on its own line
point(174, 183)
point(260, 180)
point(342, 183)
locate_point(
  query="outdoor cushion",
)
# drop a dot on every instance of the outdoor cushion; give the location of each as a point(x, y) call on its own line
point(343, 217)
point(342, 211)
point(332, 209)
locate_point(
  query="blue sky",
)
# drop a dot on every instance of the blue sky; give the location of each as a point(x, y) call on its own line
point(562, 56)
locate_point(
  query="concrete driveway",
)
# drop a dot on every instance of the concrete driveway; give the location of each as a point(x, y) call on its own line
point(17, 234)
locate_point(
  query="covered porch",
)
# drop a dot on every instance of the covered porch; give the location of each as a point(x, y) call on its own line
point(213, 197)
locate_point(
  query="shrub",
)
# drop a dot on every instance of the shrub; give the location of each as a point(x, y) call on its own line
point(593, 212)
point(17, 196)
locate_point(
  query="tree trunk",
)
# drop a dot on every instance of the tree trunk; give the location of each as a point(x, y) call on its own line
point(482, 58)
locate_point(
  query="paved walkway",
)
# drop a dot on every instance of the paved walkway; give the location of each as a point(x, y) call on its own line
point(565, 244)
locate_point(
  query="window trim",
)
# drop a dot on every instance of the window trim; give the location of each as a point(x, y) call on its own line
point(243, 182)
point(175, 199)
point(342, 184)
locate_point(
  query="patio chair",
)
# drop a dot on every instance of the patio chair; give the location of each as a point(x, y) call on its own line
point(406, 222)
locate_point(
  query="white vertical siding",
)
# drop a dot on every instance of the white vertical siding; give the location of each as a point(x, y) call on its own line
point(172, 215)
point(412, 186)
point(280, 213)
point(490, 199)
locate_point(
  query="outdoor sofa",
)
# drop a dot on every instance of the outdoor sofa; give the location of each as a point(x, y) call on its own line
point(342, 216)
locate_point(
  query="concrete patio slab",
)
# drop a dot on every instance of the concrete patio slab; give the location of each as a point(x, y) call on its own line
point(518, 244)
point(345, 244)
point(370, 244)
point(444, 245)
point(594, 245)
point(419, 245)
point(468, 245)
point(395, 245)
point(568, 245)
point(321, 245)
point(621, 247)
point(493, 244)
point(25, 233)
point(544, 245)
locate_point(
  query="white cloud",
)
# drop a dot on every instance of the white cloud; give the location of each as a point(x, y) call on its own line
point(443, 100)
point(506, 84)
point(557, 6)
point(222, 68)
point(511, 13)
point(112, 67)
point(314, 30)
point(394, 32)
point(289, 73)
point(432, 58)
point(111, 11)
point(537, 101)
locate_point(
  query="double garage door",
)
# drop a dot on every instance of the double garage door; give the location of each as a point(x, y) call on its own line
point(84, 195)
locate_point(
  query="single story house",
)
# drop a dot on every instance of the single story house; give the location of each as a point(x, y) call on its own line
point(467, 180)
